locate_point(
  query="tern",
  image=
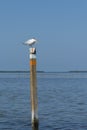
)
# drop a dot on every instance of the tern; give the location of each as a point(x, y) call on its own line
point(30, 42)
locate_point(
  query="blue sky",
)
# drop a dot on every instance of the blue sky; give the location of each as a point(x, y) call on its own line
point(59, 25)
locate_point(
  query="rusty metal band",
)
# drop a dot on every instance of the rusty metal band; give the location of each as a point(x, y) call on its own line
point(32, 61)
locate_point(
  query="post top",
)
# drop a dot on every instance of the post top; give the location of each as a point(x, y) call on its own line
point(32, 50)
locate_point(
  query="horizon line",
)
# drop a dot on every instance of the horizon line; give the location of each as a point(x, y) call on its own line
point(40, 71)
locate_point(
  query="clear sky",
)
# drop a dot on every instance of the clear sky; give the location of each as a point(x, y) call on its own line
point(59, 25)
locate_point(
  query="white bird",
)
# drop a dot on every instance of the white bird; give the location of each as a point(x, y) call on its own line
point(30, 42)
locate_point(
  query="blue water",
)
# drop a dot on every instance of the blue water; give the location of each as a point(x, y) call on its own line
point(62, 101)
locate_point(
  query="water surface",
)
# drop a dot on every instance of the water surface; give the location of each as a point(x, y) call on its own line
point(62, 99)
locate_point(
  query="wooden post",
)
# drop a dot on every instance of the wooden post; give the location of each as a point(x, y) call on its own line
point(33, 89)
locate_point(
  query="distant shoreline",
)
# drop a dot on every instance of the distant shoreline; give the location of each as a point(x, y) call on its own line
point(22, 71)
point(18, 71)
point(77, 71)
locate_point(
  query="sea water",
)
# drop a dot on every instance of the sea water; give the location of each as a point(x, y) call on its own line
point(62, 101)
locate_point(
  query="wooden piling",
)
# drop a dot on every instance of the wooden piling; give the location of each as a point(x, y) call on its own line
point(33, 89)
